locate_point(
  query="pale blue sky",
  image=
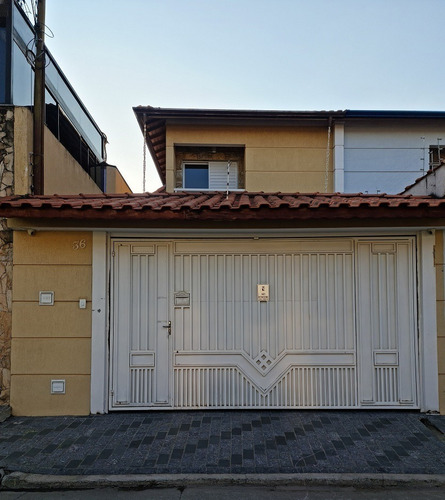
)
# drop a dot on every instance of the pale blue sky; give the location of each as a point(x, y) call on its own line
point(244, 54)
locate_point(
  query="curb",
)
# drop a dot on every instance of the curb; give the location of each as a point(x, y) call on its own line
point(20, 481)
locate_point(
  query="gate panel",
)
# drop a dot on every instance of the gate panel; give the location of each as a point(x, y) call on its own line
point(141, 359)
point(386, 323)
point(338, 330)
point(296, 350)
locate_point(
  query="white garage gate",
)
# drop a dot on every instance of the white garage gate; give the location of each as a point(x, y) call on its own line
point(337, 329)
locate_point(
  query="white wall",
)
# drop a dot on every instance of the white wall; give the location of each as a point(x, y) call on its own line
point(431, 184)
point(387, 155)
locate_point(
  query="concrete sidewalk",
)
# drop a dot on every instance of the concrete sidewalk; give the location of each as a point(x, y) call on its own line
point(371, 443)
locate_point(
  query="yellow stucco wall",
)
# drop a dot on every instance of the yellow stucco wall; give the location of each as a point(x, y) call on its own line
point(63, 175)
point(277, 158)
point(22, 149)
point(440, 297)
point(116, 182)
point(51, 342)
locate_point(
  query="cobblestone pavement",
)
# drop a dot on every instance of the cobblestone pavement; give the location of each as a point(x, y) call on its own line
point(225, 442)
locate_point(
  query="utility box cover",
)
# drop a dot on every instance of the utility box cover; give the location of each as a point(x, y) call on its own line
point(182, 299)
point(263, 293)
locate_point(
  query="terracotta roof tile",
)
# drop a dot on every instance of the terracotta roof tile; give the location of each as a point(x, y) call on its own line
point(217, 206)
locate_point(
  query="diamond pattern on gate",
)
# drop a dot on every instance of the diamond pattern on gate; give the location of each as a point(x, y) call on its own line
point(263, 362)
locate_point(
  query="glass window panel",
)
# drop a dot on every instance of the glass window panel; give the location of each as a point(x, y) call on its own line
point(56, 84)
point(51, 114)
point(72, 108)
point(21, 27)
point(3, 72)
point(196, 176)
point(22, 79)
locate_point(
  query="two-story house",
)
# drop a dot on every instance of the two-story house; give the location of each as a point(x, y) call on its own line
point(245, 282)
point(75, 157)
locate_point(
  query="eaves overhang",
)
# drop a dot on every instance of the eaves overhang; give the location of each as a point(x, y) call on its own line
point(394, 114)
point(216, 207)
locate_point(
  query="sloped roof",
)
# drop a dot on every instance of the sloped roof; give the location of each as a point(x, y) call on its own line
point(424, 176)
point(217, 206)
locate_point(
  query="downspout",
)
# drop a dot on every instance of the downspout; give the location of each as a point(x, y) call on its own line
point(328, 155)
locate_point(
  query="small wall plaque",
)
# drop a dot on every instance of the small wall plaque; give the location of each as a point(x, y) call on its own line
point(182, 299)
point(57, 386)
point(263, 293)
point(46, 298)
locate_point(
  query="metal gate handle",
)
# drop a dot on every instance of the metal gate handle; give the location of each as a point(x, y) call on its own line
point(169, 326)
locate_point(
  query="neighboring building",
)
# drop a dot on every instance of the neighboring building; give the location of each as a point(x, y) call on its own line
point(384, 151)
point(430, 184)
point(75, 159)
point(243, 283)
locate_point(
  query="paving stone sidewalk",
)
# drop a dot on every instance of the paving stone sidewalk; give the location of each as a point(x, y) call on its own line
point(237, 442)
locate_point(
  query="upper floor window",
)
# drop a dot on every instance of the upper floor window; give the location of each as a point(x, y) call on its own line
point(213, 168)
point(213, 175)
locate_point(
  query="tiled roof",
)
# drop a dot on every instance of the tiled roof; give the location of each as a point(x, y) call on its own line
point(218, 206)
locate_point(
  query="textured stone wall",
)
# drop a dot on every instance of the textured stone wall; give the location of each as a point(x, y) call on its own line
point(6, 188)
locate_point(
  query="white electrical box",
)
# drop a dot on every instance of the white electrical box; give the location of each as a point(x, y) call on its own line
point(263, 293)
point(46, 298)
point(82, 303)
point(57, 386)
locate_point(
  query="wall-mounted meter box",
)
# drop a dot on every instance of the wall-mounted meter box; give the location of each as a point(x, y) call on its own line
point(182, 299)
point(263, 293)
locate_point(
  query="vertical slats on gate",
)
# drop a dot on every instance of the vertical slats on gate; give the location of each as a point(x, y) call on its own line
point(365, 318)
point(162, 337)
point(386, 322)
point(121, 382)
point(311, 309)
point(406, 322)
point(147, 307)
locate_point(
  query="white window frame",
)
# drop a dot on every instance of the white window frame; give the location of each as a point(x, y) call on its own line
point(213, 186)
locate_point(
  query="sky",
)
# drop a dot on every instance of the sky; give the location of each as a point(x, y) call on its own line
point(243, 54)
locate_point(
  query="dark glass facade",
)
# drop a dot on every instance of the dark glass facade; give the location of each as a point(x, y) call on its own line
point(66, 116)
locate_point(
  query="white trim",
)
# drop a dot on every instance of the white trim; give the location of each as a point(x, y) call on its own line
point(300, 232)
point(99, 312)
point(339, 157)
point(428, 369)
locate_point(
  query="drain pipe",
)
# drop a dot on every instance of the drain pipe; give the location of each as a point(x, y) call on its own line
point(328, 155)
